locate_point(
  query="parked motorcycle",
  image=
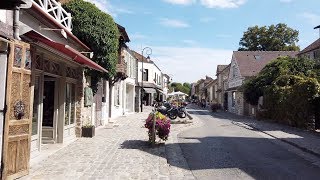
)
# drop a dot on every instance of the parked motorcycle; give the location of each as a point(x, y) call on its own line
point(171, 111)
point(182, 111)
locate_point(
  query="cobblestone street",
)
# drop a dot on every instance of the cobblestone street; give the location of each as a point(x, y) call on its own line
point(118, 153)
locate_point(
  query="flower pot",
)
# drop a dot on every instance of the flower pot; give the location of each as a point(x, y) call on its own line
point(88, 131)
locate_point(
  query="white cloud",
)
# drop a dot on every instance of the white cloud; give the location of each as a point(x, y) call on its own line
point(190, 42)
point(181, 2)
point(222, 3)
point(311, 18)
point(137, 36)
point(189, 64)
point(102, 5)
point(207, 19)
point(173, 23)
point(212, 3)
point(106, 6)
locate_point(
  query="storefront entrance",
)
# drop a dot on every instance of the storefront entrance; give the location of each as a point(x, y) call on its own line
point(129, 98)
point(49, 109)
point(45, 105)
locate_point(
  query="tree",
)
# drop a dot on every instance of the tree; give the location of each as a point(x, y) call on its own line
point(185, 87)
point(272, 72)
point(99, 31)
point(290, 88)
point(278, 37)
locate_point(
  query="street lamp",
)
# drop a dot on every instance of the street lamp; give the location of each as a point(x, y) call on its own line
point(148, 52)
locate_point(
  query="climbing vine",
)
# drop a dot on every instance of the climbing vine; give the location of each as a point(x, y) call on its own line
point(100, 33)
point(291, 89)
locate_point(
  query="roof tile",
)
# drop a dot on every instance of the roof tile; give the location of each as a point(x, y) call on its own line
point(252, 62)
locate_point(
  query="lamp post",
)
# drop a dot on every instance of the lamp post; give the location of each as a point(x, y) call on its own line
point(148, 52)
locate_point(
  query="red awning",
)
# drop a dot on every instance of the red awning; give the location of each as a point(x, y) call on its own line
point(67, 50)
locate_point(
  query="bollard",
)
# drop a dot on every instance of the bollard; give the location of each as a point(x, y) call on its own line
point(189, 116)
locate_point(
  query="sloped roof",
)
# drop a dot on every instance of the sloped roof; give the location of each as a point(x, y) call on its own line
point(312, 46)
point(252, 62)
point(123, 33)
point(220, 68)
point(207, 80)
point(212, 81)
point(139, 57)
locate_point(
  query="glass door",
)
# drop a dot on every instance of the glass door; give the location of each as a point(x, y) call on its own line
point(70, 108)
point(36, 116)
point(49, 110)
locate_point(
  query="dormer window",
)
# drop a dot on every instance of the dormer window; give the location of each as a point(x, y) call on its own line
point(233, 71)
point(257, 57)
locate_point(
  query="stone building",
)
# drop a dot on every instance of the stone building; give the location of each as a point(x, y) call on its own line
point(152, 79)
point(312, 51)
point(246, 64)
point(222, 74)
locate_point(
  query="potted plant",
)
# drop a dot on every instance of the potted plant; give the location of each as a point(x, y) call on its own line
point(162, 126)
point(215, 107)
point(88, 130)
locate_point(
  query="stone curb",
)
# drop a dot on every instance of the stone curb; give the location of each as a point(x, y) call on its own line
point(174, 152)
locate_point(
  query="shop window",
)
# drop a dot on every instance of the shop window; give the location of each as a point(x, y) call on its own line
point(17, 56)
point(70, 104)
point(36, 102)
point(117, 95)
point(28, 60)
point(145, 75)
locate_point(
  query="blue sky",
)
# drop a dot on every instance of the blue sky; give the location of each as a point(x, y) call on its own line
point(190, 37)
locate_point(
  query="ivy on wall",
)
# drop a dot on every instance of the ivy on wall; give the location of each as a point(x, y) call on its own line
point(291, 89)
point(100, 33)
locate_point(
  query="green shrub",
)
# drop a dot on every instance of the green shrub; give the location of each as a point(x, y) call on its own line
point(290, 88)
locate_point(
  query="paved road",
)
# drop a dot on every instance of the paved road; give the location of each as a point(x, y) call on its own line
point(120, 153)
point(223, 149)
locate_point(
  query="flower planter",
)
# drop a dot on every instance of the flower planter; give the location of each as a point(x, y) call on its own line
point(88, 131)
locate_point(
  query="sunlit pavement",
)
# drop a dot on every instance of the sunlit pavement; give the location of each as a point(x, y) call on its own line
point(229, 147)
point(118, 153)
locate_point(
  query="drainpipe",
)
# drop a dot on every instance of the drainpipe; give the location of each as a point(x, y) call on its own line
point(16, 22)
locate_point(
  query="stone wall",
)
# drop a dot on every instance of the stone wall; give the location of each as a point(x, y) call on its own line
point(137, 99)
point(238, 108)
point(79, 102)
point(6, 21)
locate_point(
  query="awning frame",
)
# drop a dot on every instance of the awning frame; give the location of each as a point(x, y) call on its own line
point(149, 90)
point(68, 51)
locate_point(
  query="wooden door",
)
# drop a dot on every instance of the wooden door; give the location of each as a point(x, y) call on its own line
point(19, 97)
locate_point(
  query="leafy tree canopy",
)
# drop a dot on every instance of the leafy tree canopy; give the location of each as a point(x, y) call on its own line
point(99, 31)
point(291, 91)
point(278, 37)
point(185, 87)
point(274, 73)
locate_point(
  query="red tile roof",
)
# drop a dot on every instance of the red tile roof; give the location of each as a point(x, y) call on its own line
point(313, 46)
point(252, 62)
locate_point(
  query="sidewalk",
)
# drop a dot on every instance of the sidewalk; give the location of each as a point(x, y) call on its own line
point(308, 141)
point(118, 153)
